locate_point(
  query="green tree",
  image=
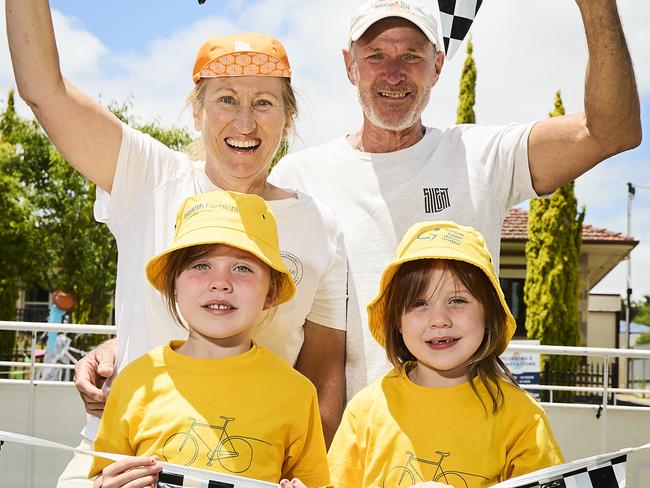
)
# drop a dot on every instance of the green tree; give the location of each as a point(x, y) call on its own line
point(16, 217)
point(551, 290)
point(643, 339)
point(282, 150)
point(52, 240)
point(641, 315)
point(467, 98)
point(641, 311)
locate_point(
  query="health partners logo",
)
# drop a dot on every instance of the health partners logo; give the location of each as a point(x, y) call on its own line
point(435, 199)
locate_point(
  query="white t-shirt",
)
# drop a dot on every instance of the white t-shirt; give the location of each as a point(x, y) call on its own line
point(150, 183)
point(470, 174)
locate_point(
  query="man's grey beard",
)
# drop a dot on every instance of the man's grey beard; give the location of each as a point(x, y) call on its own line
point(408, 120)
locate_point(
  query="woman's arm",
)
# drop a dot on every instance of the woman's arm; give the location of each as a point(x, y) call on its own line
point(86, 133)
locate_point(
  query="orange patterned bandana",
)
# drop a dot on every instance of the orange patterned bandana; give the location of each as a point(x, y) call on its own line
point(246, 54)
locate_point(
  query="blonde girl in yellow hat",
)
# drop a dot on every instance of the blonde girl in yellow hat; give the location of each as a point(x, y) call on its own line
point(449, 412)
point(217, 400)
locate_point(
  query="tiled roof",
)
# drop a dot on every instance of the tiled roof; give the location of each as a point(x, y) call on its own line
point(515, 228)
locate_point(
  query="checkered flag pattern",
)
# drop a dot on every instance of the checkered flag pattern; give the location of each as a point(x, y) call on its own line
point(179, 478)
point(456, 17)
point(608, 475)
point(170, 480)
point(602, 471)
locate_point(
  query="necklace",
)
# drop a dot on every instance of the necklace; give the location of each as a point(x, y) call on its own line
point(355, 141)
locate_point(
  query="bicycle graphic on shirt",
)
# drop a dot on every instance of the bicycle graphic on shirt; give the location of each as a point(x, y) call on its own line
point(408, 474)
point(234, 453)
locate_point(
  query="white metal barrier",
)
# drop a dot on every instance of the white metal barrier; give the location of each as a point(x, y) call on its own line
point(34, 328)
point(606, 354)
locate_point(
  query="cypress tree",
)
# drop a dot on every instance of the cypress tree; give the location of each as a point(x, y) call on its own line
point(282, 150)
point(551, 290)
point(467, 98)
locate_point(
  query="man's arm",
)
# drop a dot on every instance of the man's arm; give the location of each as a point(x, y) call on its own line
point(322, 360)
point(562, 148)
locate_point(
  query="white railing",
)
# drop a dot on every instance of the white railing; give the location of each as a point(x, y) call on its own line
point(35, 328)
point(606, 354)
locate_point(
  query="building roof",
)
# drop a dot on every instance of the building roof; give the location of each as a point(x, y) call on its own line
point(515, 228)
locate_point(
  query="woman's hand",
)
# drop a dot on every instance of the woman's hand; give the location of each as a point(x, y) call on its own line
point(131, 472)
point(90, 374)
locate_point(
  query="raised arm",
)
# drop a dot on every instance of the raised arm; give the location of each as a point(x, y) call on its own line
point(87, 134)
point(562, 148)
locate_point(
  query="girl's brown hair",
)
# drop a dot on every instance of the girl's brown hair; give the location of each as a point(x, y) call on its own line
point(181, 259)
point(196, 99)
point(412, 281)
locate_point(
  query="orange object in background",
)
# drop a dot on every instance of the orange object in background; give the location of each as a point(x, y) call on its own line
point(64, 301)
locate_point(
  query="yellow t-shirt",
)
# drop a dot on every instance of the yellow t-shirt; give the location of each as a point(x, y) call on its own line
point(396, 433)
point(251, 415)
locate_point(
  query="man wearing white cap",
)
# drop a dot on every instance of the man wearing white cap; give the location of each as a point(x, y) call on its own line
point(394, 171)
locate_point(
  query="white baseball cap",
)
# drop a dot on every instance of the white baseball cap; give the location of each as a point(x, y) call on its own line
point(420, 13)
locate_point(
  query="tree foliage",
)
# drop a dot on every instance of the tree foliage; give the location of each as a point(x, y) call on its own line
point(16, 215)
point(282, 150)
point(50, 238)
point(467, 98)
point(551, 290)
point(640, 311)
point(643, 339)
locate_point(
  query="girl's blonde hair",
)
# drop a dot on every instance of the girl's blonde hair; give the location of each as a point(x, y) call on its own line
point(412, 281)
point(181, 259)
point(196, 100)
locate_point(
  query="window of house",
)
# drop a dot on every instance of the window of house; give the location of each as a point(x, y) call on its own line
point(513, 289)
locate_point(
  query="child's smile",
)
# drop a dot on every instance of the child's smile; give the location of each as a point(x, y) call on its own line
point(220, 307)
point(221, 296)
point(442, 343)
point(443, 329)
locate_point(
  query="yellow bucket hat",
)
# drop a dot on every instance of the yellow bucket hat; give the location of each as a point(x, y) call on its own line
point(438, 240)
point(239, 220)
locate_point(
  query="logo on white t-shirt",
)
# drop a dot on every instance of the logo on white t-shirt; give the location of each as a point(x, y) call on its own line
point(436, 199)
point(294, 265)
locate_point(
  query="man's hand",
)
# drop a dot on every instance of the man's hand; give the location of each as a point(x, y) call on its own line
point(90, 374)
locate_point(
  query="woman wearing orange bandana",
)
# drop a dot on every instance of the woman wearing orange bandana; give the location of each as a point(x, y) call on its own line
point(243, 105)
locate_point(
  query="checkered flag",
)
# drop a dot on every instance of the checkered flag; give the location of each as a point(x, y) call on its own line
point(610, 474)
point(173, 476)
point(602, 471)
point(456, 17)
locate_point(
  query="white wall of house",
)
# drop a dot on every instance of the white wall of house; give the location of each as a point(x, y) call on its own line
point(603, 320)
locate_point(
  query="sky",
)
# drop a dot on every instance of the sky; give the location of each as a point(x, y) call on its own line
point(143, 52)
